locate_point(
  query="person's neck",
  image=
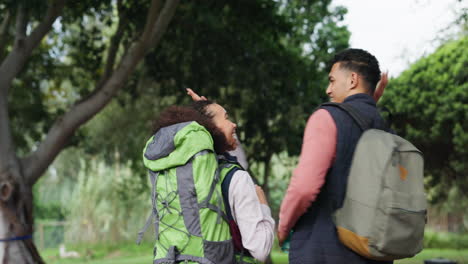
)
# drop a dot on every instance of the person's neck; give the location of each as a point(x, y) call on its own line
point(357, 91)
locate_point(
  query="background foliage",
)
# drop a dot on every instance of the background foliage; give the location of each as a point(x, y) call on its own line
point(429, 102)
point(265, 61)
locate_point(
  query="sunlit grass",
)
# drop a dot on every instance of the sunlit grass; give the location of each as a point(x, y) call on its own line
point(461, 256)
point(133, 254)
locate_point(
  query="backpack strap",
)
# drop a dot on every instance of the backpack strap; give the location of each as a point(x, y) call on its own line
point(242, 254)
point(225, 189)
point(363, 122)
point(154, 211)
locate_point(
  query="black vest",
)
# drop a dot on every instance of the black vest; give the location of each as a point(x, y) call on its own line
point(314, 239)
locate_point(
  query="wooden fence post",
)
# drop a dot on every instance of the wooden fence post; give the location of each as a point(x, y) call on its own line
point(41, 236)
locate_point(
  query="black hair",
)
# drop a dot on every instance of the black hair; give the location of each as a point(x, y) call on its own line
point(362, 62)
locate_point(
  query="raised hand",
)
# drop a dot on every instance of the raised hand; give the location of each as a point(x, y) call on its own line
point(379, 89)
point(195, 96)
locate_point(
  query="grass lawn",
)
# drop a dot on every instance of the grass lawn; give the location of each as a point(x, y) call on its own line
point(461, 256)
point(103, 254)
point(132, 254)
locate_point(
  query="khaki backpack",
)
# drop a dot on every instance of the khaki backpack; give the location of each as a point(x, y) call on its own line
point(384, 210)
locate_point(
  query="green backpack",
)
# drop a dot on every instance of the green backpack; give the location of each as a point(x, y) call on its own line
point(188, 211)
point(384, 210)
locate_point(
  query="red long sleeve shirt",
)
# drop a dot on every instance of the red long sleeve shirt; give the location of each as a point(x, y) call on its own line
point(317, 155)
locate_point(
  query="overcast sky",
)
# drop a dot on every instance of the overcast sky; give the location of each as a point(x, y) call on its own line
point(398, 32)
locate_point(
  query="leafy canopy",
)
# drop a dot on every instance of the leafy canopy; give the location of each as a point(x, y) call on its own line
point(429, 102)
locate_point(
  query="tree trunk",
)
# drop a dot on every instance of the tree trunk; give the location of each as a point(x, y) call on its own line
point(16, 221)
point(18, 176)
point(266, 189)
point(266, 176)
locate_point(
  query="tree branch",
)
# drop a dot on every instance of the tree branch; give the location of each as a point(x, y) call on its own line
point(151, 21)
point(112, 51)
point(162, 23)
point(21, 23)
point(65, 126)
point(15, 60)
point(114, 43)
point(4, 31)
point(53, 12)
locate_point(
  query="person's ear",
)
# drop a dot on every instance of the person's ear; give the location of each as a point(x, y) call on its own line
point(353, 81)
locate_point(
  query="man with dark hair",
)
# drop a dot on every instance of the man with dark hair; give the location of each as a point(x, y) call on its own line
point(318, 184)
point(361, 62)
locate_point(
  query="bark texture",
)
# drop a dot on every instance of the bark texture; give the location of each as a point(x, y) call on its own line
point(17, 176)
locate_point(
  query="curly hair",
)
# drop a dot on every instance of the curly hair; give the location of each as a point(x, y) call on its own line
point(202, 107)
point(179, 114)
point(362, 62)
